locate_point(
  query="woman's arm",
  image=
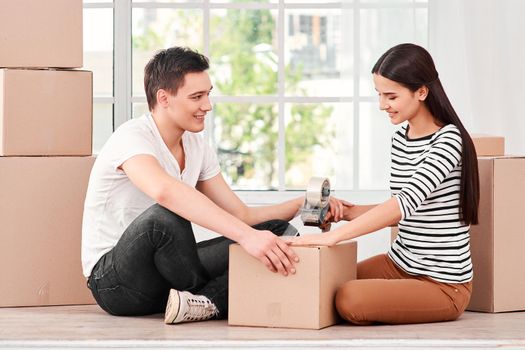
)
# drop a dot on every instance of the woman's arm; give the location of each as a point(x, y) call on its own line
point(354, 211)
point(371, 220)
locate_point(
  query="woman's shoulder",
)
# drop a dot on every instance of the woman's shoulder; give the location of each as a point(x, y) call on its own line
point(400, 132)
point(447, 132)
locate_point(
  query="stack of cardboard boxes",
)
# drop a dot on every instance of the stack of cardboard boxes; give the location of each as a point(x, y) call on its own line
point(498, 241)
point(45, 152)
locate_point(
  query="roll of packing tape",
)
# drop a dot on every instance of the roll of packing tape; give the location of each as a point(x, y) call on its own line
point(318, 192)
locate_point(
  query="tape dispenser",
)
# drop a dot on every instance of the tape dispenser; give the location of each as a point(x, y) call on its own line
point(316, 203)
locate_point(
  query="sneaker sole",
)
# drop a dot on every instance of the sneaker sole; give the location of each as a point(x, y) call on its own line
point(173, 302)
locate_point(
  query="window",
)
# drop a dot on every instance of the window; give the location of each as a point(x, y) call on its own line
point(293, 96)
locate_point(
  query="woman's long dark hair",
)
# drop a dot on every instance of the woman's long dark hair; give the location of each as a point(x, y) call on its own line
point(412, 66)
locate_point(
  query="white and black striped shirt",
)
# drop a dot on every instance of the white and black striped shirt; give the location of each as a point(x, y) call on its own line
point(425, 179)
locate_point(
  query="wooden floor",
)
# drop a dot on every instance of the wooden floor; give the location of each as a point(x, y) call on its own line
point(88, 327)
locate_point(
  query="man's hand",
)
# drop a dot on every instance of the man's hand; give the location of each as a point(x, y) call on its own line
point(272, 251)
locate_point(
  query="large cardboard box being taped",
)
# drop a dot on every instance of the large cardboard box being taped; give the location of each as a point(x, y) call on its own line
point(41, 34)
point(497, 241)
point(258, 297)
point(488, 145)
point(45, 112)
point(41, 204)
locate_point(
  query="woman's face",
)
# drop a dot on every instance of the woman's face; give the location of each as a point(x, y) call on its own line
point(399, 102)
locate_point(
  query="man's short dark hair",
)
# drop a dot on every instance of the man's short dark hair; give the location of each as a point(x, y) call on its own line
point(167, 69)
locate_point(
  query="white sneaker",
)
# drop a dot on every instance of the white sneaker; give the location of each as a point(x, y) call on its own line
point(186, 307)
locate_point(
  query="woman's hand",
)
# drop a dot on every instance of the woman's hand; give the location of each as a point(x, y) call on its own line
point(338, 211)
point(325, 239)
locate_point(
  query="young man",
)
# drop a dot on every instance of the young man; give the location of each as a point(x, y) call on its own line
point(155, 176)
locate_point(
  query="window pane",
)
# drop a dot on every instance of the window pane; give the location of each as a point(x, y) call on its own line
point(102, 124)
point(318, 144)
point(241, 1)
point(155, 29)
point(375, 133)
point(98, 49)
point(96, 1)
point(139, 109)
point(173, 1)
point(318, 1)
point(318, 52)
point(246, 136)
point(387, 2)
point(377, 36)
point(243, 48)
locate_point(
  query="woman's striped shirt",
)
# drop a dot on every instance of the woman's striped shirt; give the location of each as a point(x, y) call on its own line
point(425, 180)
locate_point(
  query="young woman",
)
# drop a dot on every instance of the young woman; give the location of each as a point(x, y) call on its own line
point(426, 275)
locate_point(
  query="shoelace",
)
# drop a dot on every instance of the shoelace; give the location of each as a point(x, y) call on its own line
point(199, 310)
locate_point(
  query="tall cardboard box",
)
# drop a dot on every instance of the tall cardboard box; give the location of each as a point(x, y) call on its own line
point(45, 112)
point(41, 34)
point(488, 145)
point(41, 204)
point(497, 242)
point(258, 297)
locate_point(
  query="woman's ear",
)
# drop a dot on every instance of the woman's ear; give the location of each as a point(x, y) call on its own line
point(422, 93)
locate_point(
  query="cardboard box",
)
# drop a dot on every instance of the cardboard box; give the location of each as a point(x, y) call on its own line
point(258, 297)
point(41, 34)
point(488, 145)
point(41, 206)
point(498, 241)
point(45, 112)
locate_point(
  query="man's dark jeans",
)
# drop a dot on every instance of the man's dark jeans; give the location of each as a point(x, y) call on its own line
point(158, 252)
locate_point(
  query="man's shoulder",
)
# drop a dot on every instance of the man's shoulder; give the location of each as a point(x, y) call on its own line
point(134, 125)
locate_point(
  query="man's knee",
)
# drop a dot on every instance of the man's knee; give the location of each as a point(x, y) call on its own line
point(161, 218)
point(159, 222)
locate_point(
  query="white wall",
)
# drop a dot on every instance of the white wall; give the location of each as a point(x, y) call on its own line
point(479, 50)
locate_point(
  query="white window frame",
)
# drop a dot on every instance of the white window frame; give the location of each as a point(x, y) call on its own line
point(123, 100)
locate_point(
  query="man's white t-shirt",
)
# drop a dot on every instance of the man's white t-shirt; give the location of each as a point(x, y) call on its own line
point(113, 201)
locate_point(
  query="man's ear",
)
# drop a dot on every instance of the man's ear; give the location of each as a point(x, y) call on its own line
point(422, 93)
point(162, 98)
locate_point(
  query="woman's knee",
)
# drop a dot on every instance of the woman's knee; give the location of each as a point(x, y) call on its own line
point(350, 302)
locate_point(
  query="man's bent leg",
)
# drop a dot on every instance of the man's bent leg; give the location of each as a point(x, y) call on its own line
point(156, 252)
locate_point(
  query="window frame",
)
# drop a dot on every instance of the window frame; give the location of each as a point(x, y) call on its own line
point(123, 99)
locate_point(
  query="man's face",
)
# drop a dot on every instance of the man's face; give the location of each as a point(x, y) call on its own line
point(188, 108)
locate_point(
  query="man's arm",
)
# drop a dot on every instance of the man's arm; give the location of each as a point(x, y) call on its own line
point(145, 172)
point(221, 194)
